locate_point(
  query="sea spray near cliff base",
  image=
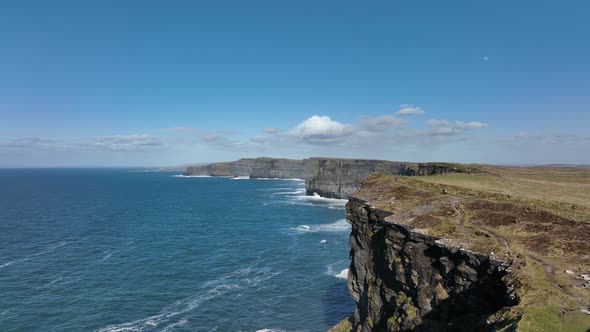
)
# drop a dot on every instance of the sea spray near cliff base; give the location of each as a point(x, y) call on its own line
point(111, 250)
point(333, 268)
point(343, 274)
point(191, 176)
point(337, 226)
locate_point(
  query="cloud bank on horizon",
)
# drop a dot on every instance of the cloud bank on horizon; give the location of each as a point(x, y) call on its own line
point(317, 135)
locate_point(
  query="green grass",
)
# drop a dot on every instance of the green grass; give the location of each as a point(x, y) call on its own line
point(563, 190)
point(470, 210)
point(564, 185)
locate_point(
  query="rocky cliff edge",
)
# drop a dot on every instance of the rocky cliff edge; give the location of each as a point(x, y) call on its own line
point(328, 177)
point(428, 257)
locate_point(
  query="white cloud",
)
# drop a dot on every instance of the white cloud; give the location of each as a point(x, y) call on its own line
point(29, 143)
point(447, 128)
point(384, 130)
point(218, 139)
point(380, 123)
point(470, 125)
point(264, 139)
point(132, 142)
point(549, 138)
point(271, 130)
point(320, 128)
point(407, 109)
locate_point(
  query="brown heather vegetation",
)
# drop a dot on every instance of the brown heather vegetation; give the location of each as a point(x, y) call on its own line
point(537, 218)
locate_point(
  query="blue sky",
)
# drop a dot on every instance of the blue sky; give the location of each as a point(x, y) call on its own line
point(155, 83)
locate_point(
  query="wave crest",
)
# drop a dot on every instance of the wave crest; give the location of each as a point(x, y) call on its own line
point(338, 226)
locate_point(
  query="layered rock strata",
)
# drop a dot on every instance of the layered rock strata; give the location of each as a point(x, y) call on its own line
point(242, 167)
point(328, 177)
point(403, 280)
point(338, 178)
point(440, 257)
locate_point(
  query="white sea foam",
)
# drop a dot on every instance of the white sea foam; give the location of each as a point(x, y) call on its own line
point(343, 274)
point(50, 249)
point(296, 192)
point(328, 206)
point(108, 255)
point(42, 252)
point(53, 282)
point(279, 179)
point(173, 326)
point(303, 228)
point(241, 178)
point(318, 198)
point(270, 330)
point(7, 264)
point(274, 189)
point(338, 226)
point(191, 176)
point(323, 241)
point(298, 197)
point(170, 316)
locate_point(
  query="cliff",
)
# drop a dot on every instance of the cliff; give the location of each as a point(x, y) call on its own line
point(242, 167)
point(446, 168)
point(284, 168)
point(405, 280)
point(328, 177)
point(338, 178)
point(428, 257)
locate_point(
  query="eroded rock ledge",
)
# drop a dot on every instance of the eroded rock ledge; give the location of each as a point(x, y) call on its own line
point(405, 280)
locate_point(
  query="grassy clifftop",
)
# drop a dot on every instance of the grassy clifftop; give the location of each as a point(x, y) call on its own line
point(537, 218)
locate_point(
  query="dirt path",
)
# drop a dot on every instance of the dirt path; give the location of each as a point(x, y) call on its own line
point(502, 239)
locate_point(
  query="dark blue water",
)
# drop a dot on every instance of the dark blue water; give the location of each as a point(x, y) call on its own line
point(113, 250)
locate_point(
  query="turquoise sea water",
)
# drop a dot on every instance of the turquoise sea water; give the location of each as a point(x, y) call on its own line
point(114, 250)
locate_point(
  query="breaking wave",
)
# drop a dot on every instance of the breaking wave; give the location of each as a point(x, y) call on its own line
point(338, 226)
point(318, 198)
point(240, 178)
point(343, 274)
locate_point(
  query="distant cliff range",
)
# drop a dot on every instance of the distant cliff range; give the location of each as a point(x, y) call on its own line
point(328, 177)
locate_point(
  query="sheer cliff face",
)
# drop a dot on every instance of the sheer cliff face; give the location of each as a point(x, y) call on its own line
point(283, 168)
point(338, 178)
point(240, 167)
point(328, 177)
point(260, 168)
point(404, 280)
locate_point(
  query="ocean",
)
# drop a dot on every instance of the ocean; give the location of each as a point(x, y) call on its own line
point(122, 250)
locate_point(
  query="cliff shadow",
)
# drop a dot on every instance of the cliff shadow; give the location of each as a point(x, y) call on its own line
point(473, 294)
point(337, 303)
point(471, 309)
point(470, 306)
